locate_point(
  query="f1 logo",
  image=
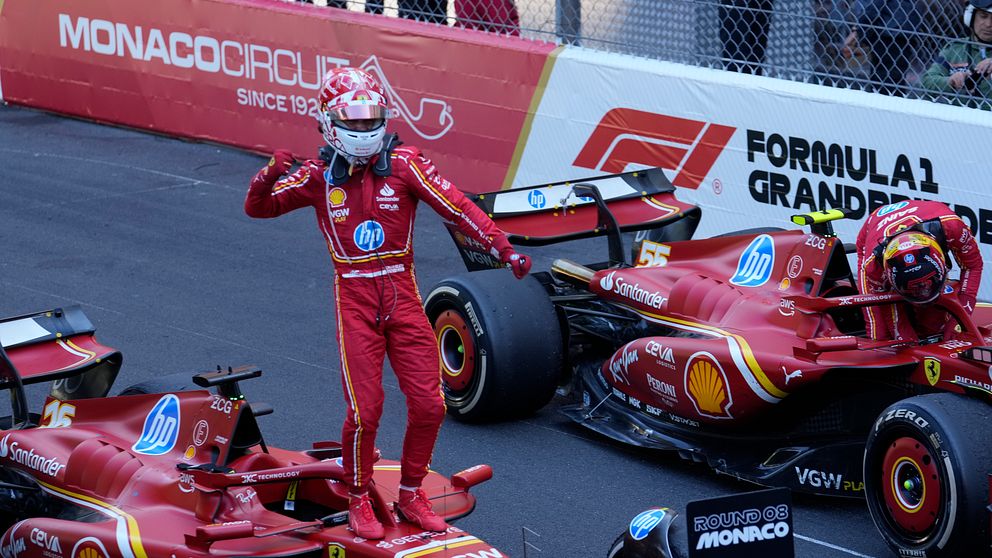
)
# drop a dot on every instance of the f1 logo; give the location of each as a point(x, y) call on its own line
point(623, 136)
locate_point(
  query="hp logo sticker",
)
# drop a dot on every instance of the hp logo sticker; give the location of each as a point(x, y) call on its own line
point(161, 429)
point(754, 267)
point(641, 525)
point(369, 236)
point(536, 199)
point(891, 207)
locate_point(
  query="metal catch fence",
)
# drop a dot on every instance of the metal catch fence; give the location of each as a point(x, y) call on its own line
point(910, 48)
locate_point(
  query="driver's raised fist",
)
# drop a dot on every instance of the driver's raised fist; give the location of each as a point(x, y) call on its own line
point(278, 165)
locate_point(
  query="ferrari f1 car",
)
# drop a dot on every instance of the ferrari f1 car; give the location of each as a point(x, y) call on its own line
point(172, 469)
point(745, 351)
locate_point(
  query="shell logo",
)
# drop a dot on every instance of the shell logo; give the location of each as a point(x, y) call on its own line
point(707, 386)
point(90, 552)
point(89, 547)
point(336, 197)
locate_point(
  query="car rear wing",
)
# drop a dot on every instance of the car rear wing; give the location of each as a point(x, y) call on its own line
point(576, 209)
point(53, 345)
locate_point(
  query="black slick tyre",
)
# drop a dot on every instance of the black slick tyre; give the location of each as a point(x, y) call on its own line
point(500, 344)
point(926, 467)
point(170, 383)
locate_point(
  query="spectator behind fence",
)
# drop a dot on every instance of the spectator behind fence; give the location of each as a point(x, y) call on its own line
point(963, 66)
point(744, 34)
point(887, 30)
point(433, 11)
point(499, 16)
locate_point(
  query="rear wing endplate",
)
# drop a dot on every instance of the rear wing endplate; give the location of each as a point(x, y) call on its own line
point(569, 210)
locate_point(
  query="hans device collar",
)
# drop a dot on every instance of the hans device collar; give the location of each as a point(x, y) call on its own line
point(338, 166)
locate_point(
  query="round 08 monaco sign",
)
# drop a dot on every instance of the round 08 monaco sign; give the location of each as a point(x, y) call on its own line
point(751, 525)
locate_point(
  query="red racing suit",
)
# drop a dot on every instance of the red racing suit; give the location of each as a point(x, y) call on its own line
point(367, 222)
point(953, 235)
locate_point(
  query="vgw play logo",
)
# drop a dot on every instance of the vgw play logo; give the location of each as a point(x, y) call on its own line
point(754, 267)
point(161, 429)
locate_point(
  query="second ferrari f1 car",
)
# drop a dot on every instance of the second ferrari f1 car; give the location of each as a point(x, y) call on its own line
point(177, 467)
point(746, 351)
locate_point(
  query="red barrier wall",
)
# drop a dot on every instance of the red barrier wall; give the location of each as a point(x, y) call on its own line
point(246, 73)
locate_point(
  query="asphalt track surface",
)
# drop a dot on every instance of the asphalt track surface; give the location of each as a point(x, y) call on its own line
point(148, 235)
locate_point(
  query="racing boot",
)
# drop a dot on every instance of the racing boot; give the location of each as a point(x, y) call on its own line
point(416, 508)
point(362, 520)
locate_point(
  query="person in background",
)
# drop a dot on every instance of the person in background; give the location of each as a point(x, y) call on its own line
point(431, 11)
point(906, 247)
point(744, 28)
point(364, 189)
point(887, 30)
point(963, 66)
point(497, 16)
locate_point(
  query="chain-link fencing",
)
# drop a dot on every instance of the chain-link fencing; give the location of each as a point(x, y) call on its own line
point(911, 48)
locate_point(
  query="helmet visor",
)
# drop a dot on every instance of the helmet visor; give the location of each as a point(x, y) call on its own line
point(922, 290)
point(368, 125)
point(357, 112)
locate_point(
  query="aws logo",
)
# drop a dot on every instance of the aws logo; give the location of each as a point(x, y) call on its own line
point(624, 136)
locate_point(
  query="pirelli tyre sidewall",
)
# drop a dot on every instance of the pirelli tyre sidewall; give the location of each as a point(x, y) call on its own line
point(926, 466)
point(500, 344)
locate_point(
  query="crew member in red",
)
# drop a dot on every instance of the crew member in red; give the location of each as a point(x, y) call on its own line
point(364, 188)
point(905, 247)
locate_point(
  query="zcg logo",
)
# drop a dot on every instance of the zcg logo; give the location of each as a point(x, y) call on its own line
point(161, 429)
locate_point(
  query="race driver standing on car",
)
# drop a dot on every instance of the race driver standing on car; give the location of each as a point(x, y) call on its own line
point(364, 189)
point(905, 247)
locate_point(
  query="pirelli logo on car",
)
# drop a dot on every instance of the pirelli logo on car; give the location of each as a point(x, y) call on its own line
point(624, 135)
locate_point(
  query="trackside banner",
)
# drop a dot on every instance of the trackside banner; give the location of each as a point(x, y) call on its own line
point(246, 73)
point(752, 151)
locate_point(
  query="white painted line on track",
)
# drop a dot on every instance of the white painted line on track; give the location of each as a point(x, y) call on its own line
point(831, 545)
point(185, 179)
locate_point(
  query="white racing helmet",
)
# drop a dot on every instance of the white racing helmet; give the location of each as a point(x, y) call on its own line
point(350, 94)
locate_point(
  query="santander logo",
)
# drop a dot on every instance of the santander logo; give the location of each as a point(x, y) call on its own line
point(386, 190)
point(607, 281)
point(632, 291)
point(628, 136)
